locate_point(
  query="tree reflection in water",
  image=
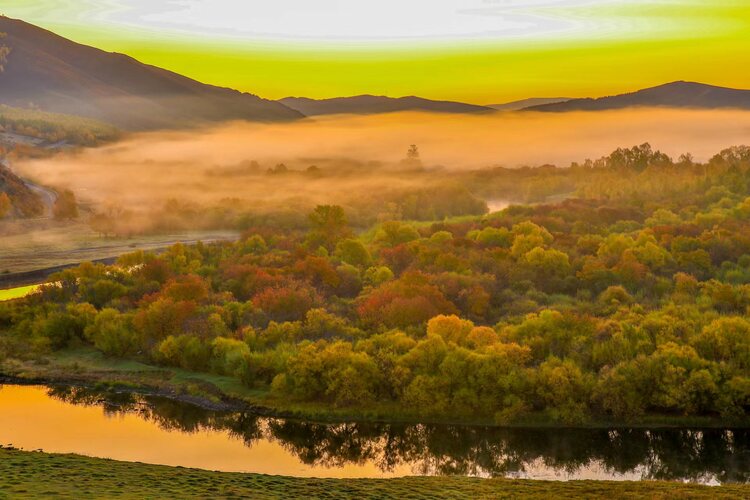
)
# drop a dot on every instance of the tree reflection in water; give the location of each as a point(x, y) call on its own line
point(700, 455)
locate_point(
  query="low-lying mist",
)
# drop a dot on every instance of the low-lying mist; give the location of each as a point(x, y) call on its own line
point(360, 156)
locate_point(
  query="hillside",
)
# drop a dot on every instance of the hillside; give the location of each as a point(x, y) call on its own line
point(19, 125)
point(372, 104)
point(23, 201)
point(57, 75)
point(525, 103)
point(675, 95)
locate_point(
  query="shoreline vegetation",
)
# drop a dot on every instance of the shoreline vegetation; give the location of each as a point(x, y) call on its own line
point(87, 368)
point(25, 474)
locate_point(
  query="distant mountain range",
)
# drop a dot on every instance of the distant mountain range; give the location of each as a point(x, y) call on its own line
point(373, 104)
point(525, 103)
point(673, 95)
point(48, 72)
point(54, 74)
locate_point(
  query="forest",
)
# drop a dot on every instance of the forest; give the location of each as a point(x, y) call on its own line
point(626, 298)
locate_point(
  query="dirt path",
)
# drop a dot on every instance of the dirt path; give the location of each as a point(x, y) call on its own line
point(48, 197)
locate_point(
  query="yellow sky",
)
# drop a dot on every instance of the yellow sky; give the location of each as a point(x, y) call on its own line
point(480, 51)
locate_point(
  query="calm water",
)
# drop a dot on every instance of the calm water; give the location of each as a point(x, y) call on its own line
point(160, 431)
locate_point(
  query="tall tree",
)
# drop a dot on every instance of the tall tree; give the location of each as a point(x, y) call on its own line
point(329, 225)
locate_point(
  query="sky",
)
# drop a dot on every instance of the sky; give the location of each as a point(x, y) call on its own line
point(479, 51)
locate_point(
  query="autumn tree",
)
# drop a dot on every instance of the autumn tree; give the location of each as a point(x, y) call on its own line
point(65, 207)
point(410, 300)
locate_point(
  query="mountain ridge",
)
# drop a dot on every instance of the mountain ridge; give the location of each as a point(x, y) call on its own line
point(678, 94)
point(525, 103)
point(55, 74)
point(366, 104)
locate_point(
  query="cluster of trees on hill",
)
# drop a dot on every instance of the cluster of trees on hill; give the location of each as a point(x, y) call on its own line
point(16, 197)
point(55, 128)
point(51, 127)
point(629, 304)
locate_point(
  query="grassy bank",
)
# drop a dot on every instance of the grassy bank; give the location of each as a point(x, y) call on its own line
point(41, 475)
point(88, 367)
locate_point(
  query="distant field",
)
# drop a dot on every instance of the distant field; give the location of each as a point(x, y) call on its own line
point(41, 475)
point(16, 293)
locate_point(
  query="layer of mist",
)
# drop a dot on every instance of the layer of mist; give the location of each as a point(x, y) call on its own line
point(353, 155)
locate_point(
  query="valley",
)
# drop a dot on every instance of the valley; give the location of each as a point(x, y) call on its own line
point(382, 287)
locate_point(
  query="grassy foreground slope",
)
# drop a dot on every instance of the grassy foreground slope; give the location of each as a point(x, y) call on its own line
point(41, 475)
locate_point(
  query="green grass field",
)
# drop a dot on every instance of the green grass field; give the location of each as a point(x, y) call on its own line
point(40, 475)
point(17, 293)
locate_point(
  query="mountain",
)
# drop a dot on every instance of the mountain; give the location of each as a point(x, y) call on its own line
point(525, 103)
point(374, 104)
point(54, 74)
point(674, 95)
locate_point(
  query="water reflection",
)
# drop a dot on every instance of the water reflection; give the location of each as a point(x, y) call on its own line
point(707, 456)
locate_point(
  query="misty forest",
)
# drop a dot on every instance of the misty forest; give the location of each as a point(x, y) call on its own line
point(625, 300)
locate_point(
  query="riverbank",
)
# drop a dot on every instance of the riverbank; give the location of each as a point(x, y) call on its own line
point(40, 475)
point(86, 367)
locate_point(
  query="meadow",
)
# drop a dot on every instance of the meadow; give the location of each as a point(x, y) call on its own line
point(35, 475)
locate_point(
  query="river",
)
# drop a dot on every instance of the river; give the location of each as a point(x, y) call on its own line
point(161, 431)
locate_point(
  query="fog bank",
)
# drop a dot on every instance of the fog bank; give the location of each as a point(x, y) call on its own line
point(363, 152)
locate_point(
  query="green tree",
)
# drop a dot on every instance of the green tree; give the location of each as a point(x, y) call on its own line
point(328, 225)
point(353, 252)
point(112, 333)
